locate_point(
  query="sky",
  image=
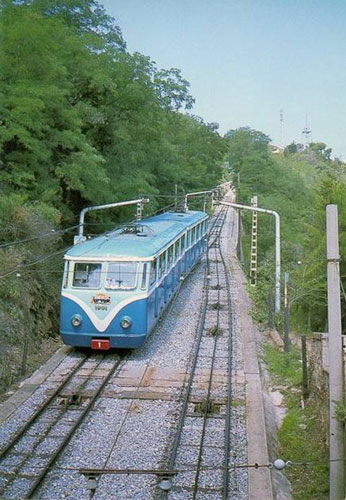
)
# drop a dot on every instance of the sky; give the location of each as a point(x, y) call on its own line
point(247, 59)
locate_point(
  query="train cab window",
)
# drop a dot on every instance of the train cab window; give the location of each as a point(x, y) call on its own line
point(66, 274)
point(121, 275)
point(152, 277)
point(87, 275)
point(144, 277)
point(170, 256)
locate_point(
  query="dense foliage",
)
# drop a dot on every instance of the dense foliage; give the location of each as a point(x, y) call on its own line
point(298, 184)
point(82, 122)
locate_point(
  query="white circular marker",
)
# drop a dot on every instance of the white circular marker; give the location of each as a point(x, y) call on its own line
point(279, 464)
point(165, 485)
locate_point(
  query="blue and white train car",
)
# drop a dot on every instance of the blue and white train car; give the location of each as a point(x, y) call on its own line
point(116, 286)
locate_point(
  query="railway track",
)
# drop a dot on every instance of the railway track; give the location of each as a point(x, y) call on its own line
point(32, 451)
point(196, 462)
point(200, 450)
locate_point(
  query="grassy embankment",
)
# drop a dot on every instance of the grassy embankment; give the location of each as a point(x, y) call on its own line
point(301, 436)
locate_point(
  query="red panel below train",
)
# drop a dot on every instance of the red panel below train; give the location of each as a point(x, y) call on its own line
point(100, 344)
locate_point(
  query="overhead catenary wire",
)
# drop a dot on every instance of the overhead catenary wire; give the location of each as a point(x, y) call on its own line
point(17, 269)
point(59, 232)
point(51, 233)
point(32, 263)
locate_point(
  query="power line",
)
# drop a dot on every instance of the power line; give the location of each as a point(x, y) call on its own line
point(42, 259)
point(51, 233)
point(32, 263)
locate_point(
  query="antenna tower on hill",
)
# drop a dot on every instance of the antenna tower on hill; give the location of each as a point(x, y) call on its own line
point(306, 133)
point(282, 128)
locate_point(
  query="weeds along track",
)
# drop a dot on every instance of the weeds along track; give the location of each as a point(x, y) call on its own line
point(34, 449)
point(200, 451)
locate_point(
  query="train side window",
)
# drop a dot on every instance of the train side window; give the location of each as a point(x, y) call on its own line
point(193, 235)
point(170, 254)
point(176, 250)
point(66, 274)
point(162, 264)
point(144, 277)
point(153, 266)
point(183, 243)
point(121, 275)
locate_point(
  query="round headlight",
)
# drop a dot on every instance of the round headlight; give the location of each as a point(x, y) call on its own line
point(76, 320)
point(126, 322)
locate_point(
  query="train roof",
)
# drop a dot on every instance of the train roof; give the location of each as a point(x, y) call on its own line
point(157, 232)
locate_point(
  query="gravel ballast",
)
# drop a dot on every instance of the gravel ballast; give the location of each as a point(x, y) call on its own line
point(123, 433)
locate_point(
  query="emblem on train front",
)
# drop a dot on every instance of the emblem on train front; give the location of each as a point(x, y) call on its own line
point(101, 299)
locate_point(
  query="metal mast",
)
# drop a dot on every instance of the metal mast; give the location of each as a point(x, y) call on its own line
point(282, 128)
point(253, 261)
point(306, 133)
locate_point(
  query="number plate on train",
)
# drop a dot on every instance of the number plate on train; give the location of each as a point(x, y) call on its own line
point(100, 344)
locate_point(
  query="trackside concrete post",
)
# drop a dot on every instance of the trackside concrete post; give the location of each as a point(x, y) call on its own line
point(336, 383)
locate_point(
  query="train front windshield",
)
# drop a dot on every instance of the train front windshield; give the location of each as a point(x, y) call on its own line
point(121, 275)
point(87, 275)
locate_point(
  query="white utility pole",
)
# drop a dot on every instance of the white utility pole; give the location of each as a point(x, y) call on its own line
point(277, 244)
point(336, 380)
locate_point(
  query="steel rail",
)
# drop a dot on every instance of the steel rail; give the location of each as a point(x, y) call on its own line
point(205, 412)
point(39, 478)
point(200, 329)
point(229, 383)
point(67, 438)
point(40, 410)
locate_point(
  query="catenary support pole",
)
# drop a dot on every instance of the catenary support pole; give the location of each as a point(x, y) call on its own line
point(305, 378)
point(196, 193)
point(270, 308)
point(277, 244)
point(80, 238)
point(336, 386)
point(286, 315)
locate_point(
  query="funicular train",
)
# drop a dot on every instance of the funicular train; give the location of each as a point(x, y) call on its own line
point(117, 285)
